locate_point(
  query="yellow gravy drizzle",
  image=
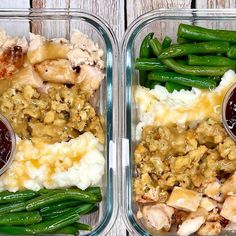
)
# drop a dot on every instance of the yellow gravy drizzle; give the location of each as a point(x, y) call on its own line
point(207, 105)
point(51, 164)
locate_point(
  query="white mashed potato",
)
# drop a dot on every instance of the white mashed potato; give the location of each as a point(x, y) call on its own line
point(159, 107)
point(78, 162)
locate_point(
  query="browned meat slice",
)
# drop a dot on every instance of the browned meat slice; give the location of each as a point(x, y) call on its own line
point(58, 71)
point(27, 76)
point(47, 51)
point(11, 60)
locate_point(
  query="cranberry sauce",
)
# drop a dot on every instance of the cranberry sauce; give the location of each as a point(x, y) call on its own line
point(230, 112)
point(5, 144)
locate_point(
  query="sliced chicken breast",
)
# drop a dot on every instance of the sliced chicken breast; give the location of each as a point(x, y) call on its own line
point(190, 226)
point(58, 71)
point(157, 216)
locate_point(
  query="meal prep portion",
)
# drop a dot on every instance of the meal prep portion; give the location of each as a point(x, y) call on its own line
point(54, 211)
point(49, 92)
point(185, 157)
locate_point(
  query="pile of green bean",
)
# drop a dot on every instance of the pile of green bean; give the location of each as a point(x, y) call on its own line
point(199, 59)
point(47, 211)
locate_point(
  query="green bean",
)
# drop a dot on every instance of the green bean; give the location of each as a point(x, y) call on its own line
point(195, 70)
point(56, 212)
point(44, 191)
point(92, 210)
point(62, 205)
point(181, 61)
point(149, 64)
point(232, 52)
point(183, 41)
point(215, 78)
point(210, 61)
point(142, 77)
point(151, 84)
point(67, 194)
point(202, 34)
point(20, 218)
point(156, 46)
point(62, 220)
point(12, 207)
point(148, 83)
point(166, 42)
point(7, 197)
point(145, 52)
point(94, 190)
point(52, 191)
point(82, 210)
point(87, 209)
point(51, 217)
point(186, 80)
point(55, 224)
point(170, 86)
point(63, 224)
point(67, 230)
point(81, 226)
point(18, 230)
point(59, 206)
point(145, 49)
point(220, 54)
point(15, 230)
point(197, 48)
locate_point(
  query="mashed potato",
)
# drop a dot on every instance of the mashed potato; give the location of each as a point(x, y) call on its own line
point(159, 107)
point(78, 162)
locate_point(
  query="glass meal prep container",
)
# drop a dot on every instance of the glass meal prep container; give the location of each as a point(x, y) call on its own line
point(59, 23)
point(162, 23)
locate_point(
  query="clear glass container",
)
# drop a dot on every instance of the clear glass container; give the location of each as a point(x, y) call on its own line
point(162, 23)
point(59, 23)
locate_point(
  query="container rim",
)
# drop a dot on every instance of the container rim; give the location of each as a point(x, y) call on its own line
point(37, 12)
point(4, 120)
point(175, 12)
point(125, 93)
point(106, 32)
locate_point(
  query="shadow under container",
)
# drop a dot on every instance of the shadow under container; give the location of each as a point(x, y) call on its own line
point(60, 23)
point(162, 23)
